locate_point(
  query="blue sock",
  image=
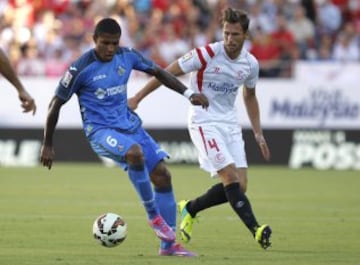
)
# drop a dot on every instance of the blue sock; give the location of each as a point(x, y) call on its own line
point(139, 177)
point(165, 200)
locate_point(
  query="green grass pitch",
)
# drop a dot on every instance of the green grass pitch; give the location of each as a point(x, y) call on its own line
point(46, 217)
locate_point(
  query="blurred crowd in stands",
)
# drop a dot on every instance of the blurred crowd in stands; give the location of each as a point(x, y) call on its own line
point(41, 37)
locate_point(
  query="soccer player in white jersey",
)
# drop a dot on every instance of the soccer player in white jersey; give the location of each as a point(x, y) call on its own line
point(219, 70)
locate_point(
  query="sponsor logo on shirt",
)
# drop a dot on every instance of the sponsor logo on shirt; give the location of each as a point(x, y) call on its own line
point(216, 69)
point(99, 77)
point(225, 88)
point(101, 93)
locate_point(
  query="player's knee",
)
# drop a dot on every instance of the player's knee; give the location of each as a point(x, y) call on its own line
point(135, 155)
point(228, 175)
point(161, 176)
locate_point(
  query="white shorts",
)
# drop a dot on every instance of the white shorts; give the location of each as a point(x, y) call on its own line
point(219, 146)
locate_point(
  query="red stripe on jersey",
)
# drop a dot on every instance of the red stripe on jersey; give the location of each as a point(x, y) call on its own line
point(209, 51)
point(200, 73)
point(203, 138)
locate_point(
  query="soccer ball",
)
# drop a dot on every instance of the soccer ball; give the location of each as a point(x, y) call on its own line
point(110, 229)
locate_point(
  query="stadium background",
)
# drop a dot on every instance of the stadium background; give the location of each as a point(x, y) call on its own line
point(308, 91)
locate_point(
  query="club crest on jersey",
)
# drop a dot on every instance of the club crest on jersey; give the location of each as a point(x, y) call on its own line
point(240, 75)
point(219, 158)
point(65, 81)
point(121, 70)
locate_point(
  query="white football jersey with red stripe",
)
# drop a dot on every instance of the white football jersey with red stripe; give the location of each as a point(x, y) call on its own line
point(219, 78)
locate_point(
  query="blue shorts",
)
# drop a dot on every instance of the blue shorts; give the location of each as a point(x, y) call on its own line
point(113, 144)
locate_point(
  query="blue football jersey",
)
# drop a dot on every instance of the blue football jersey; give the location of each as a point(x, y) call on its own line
point(101, 88)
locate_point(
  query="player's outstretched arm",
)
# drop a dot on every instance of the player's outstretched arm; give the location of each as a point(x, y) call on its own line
point(47, 153)
point(152, 85)
point(173, 83)
point(27, 102)
point(168, 78)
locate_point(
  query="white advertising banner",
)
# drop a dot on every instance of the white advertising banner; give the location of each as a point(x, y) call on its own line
point(320, 96)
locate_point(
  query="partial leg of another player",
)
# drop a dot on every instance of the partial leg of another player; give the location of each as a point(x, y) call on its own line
point(229, 190)
point(188, 209)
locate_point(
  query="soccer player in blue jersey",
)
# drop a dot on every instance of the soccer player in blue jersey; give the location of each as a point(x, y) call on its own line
point(99, 79)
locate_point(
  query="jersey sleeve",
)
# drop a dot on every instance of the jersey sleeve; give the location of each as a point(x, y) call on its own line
point(189, 62)
point(196, 58)
point(67, 85)
point(253, 77)
point(141, 63)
